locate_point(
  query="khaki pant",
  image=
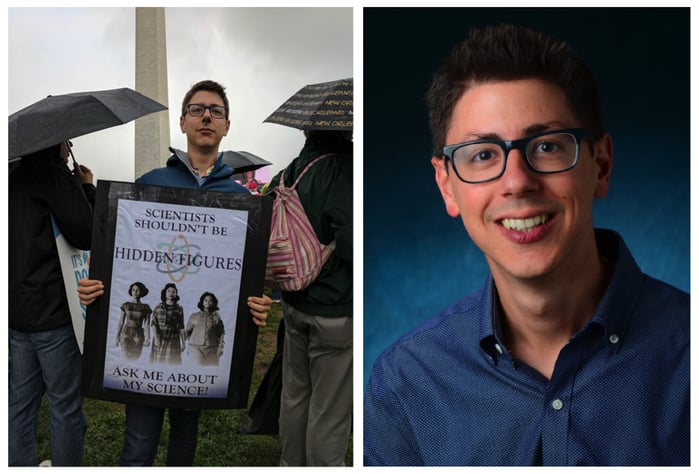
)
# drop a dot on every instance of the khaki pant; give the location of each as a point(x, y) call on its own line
point(316, 406)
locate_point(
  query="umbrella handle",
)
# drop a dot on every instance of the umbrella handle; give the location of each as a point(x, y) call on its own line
point(70, 151)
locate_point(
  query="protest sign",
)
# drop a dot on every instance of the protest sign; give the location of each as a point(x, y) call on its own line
point(74, 267)
point(173, 328)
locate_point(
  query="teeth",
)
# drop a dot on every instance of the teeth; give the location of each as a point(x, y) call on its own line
point(525, 225)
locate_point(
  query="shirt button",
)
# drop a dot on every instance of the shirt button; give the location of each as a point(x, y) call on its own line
point(557, 404)
point(498, 348)
point(613, 338)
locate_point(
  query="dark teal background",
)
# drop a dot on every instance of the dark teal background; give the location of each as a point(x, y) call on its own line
point(418, 260)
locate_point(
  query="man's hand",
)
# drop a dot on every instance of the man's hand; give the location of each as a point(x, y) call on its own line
point(259, 307)
point(89, 290)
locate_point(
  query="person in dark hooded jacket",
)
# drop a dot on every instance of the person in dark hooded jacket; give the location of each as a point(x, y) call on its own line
point(316, 403)
point(44, 354)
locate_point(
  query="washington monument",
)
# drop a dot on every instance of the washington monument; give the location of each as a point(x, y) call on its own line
point(152, 131)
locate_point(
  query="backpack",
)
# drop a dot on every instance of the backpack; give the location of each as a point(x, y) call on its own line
point(295, 256)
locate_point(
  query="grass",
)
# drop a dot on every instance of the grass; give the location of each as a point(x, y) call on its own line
point(219, 442)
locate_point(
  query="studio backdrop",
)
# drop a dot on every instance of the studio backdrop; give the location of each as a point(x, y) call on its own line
point(418, 260)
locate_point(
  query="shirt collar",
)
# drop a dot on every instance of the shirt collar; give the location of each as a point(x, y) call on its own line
point(184, 159)
point(613, 313)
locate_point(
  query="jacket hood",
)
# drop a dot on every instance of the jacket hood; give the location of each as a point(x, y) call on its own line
point(180, 158)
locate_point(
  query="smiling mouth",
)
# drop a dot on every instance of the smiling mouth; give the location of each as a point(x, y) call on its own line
point(525, 225)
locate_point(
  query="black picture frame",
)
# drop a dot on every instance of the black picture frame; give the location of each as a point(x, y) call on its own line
point(258, 210)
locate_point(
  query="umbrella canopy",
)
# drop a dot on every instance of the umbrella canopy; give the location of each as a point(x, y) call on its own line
point(323, 106)
point(242, 161)
point(58, 118)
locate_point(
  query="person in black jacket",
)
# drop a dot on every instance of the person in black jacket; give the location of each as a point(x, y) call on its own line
point(316, 404)
point(44, 354)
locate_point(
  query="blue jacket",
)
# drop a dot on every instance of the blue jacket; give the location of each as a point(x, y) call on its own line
point(178, 173)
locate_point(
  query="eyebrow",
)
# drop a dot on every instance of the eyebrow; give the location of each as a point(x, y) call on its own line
point(209, 105)
point(527, 131)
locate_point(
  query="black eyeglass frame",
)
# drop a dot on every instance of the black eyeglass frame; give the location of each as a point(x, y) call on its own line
point(210, 108)
point(520, 144)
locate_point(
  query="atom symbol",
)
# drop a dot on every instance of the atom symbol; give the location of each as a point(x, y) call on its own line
point(183, 270)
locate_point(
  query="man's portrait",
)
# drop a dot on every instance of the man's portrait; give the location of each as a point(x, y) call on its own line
point(526, 244)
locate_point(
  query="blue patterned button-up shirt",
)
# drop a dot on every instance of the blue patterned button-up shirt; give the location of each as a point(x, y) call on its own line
point(449, 393)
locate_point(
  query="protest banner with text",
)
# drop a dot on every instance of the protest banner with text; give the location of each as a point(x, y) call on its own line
point(173, 328)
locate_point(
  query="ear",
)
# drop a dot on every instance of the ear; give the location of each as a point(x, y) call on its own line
point(441, 176)
point(603, 156)
point(182, 124)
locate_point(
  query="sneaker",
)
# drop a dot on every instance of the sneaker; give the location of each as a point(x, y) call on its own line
point(45, 463)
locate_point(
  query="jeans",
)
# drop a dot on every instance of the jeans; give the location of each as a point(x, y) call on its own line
point(45, 362)
point(142, 435)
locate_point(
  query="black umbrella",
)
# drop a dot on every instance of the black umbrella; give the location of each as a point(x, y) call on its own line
point(242, 161)
point(58, 118)
point(323, 106)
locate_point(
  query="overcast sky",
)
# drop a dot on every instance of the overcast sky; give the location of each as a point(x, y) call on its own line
point(261, 55)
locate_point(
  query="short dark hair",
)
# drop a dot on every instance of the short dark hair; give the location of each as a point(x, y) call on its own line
point(164, 290)
point(141, 286)
point(507, 53)
point(206, 85)
point(200, 305)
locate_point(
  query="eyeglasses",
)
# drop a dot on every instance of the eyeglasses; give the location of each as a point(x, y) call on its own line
point(547, 152)
point(197, 110)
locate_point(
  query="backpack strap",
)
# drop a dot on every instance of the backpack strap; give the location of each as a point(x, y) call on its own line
point(308, 166)
point(281, 186)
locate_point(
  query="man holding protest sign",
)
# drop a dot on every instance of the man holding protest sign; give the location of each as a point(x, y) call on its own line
point(205, 122)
